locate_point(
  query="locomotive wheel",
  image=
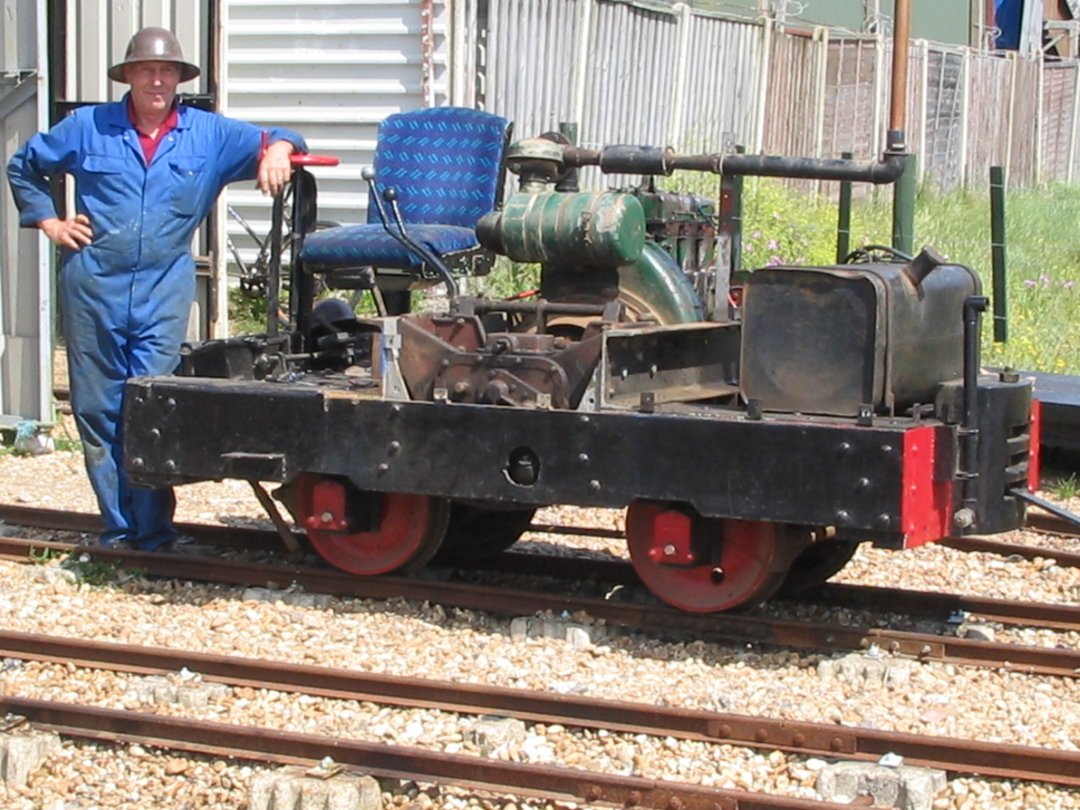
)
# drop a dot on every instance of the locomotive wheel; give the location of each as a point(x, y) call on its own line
point(480, 531)
point(817, 563)
point(410, 527)
point(706, 565)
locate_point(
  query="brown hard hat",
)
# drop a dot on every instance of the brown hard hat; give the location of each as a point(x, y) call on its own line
point(154, 45)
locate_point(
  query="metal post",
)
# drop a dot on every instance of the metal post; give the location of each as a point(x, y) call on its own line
point(843, 223)
point(731, 213)
point(904, 208)
point(997, 251)
point(974, 306)
point(273, 281)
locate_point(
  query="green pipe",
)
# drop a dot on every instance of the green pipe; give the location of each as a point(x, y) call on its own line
point(843, 224)
point(904, 208)
point(997, 251)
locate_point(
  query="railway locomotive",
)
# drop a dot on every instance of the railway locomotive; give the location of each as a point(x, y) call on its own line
point(752, 448)
point(754, 434)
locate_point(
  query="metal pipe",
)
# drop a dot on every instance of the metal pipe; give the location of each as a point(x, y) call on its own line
point(896, 137)
point(653, 160)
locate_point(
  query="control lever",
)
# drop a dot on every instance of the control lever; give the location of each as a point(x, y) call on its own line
point(401, 234)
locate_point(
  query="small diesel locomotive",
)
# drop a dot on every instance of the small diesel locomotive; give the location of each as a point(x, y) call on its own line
point(754, 434)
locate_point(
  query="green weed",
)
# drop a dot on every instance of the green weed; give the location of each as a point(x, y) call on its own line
point(1066, 488)
point(43, 556)
point(95, 573)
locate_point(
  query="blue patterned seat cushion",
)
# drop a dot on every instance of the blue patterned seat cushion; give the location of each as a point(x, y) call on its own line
point(445, 163)
point(371, 246)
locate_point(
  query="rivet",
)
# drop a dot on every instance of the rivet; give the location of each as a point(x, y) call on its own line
point(394, 448)
point(384, 467)
point(595, 486)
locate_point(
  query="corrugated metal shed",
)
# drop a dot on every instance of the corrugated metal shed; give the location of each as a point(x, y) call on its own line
point(25, 277)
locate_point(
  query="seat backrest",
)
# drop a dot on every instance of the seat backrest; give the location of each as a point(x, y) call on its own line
point(446, 164)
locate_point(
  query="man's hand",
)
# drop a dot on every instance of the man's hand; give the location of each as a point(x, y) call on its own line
point(71, 233)
point(275, 168)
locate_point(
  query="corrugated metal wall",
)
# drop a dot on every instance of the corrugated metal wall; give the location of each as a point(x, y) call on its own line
point(624, 73)
point(25, 277)
point(331, 70)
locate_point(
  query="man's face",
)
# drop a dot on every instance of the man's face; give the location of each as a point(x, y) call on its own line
point(153, 86)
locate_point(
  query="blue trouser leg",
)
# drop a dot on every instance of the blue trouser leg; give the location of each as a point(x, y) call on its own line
point(103, 351)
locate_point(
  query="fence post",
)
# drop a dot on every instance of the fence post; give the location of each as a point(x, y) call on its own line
point(924, 95)
point(1013, 60)
point(965, 113)
point(1075, 126)
point(1038, 144)
point(758, 143)
point(821, 87)
point(879, 95)
point(997, 252)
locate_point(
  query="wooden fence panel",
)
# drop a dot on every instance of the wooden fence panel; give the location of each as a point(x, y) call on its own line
point(1058, 126)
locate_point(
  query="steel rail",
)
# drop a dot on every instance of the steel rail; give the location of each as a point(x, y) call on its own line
point(924, 603)
point(1067, 559)
point(1006, 761)
point(652, 617)
point(240, 537)
point(245, 742)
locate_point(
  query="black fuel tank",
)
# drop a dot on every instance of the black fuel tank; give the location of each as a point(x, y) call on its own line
point(828, 340)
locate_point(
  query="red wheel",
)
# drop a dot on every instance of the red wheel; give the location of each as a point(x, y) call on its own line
point(705, 565)
point(409, 530)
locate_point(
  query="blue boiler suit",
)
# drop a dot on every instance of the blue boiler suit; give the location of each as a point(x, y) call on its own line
point(125, 298)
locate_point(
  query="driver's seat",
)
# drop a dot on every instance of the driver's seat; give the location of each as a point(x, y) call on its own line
point(446, 167)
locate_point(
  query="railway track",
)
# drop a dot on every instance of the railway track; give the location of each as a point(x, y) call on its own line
point(803, 738)
point(288, 748)
point(611, 572)
point(650, 617)
point(268, 540)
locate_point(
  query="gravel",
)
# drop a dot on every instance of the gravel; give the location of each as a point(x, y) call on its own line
point(466, 646)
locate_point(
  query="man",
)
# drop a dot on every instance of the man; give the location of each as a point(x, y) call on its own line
point(147, 171)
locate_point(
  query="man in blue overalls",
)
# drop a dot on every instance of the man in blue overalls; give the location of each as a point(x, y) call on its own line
point(147, 171)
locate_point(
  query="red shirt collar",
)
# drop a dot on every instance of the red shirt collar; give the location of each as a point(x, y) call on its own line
point(150, 144)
